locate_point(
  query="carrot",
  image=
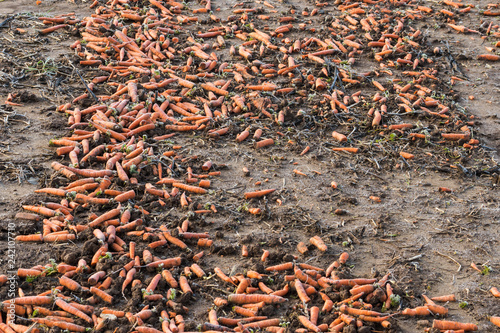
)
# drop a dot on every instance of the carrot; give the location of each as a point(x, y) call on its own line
point(70, 284)
point(318, 242)
point(301, 291)
point(223, 276)
point(40, 210)
point(437, 309)
point(24, 272)
point(128, 278)
point(30, 238)
point(263, 323)
point(357, 312)
point(455, 136)
point(63, 325)
point(495, 320)
point(494, 291)
point(258, 194)
point(74, 311)
point(453, 325)
point(263, 143)
point(344, 256)
point(446, 298)
point(52, 29)
point(33, 300)
point(103, 295)
point(254, 298)
point(184, 284)
point(280, 267)
point(145, 329)
point(104, 217)
point(190, 188)
point(489, 57)
point(418, 311)
point(339, 137)
point(407, 156)
point(302, 247)
point(52, 191)
point(348, 149)
point(94, 278)
point(308, 324)
point(214, 89)
point(166, 263)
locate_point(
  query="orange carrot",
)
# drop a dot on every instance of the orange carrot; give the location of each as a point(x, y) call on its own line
point(418, 311)
point(494, 291)
point(495, 320)
point(190, 188)
point(453, 325)
point(339, 137)
point(308, 324)
point(489, 57)
point(302, 247)
point(446, 298)
point(33, 300)
point(105, 296)
point(263, 143)
point(258, 194)
point(318, 242)
point(254, 298)
point(70, 284)
point(280, 267)
point(343, 258)
point(348, 149)
point(61, 324)
point(74, 311)
point(30, 238)
point(407, 156)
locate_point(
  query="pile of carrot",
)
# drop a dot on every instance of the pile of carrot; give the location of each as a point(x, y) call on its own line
point(122, 168)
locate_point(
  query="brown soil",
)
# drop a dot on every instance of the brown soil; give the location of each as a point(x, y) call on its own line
point(425, 238)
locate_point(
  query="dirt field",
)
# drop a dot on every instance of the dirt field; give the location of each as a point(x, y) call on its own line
point(423, 219)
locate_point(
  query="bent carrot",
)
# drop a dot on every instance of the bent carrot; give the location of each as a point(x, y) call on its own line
point(318, 242)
